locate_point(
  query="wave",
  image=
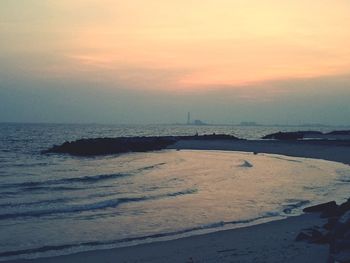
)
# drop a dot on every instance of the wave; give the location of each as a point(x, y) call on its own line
point(42, 202)
point(25, 165)
point(287, 209)
point(42, 188)
point(84, 179)
point(344, 180)
point(344, 175)
point(93, 178)
point(134, 239)
point(151, 167)
point(52, 188)
point(110, 203)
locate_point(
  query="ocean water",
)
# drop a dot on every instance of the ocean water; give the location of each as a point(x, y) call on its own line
point(58, 204)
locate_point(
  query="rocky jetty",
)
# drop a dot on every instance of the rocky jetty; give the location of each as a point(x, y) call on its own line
point(344, 132)
point(301, 134)
point(105, 146)
point(284, 136)
point(336, 232)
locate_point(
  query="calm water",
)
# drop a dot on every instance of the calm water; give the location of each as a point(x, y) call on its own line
point(57, 204)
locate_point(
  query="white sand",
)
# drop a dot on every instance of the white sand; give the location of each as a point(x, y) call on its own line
point(268, 242)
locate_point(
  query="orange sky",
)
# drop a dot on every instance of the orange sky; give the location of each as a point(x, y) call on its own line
point(183, 44)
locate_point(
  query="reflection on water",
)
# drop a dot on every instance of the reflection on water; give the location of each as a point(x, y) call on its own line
point(79, 203)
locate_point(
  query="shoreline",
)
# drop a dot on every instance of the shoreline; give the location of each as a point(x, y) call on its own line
point(265, 242)
point(336, 151)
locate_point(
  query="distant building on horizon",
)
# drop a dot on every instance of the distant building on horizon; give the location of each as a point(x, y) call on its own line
point(188, 118)
point(195, 122)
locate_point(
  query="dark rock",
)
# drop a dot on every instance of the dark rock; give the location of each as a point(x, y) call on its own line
point(331, 212)
point(331, 223)
point(208, 137)
point(336, 232)
point(103, 146)
point(344, 207)
point(340, 257)
point(284, 136)
point(339, 241)
point(291, 135)
point(321, 207)
point(342, 226)
point(343, 244)
point(314, 235)
point(336, 211)
point(325, 238)
point(343, 132)
point(303, 236)
point(311, 132)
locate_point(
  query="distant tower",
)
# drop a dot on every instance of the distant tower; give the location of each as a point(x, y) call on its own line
point(188, 118)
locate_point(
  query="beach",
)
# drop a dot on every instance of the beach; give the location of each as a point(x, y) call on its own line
point(268, 242)
point(174, 131)
point(337, 151)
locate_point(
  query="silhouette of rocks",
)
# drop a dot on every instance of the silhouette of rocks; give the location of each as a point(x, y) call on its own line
point(331, 223)
point(344, 132)
point(101, 146)
point(314, 235)
point(305, 133)
point(284, 136)
point(321, 207)
point(339, 247)
point(336, 232)
point(332, 211)
point(344, 207)
point(207, 137)
point(301, 134)
point(104, 146)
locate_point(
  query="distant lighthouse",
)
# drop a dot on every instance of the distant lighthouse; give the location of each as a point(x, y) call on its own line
point(188, 118)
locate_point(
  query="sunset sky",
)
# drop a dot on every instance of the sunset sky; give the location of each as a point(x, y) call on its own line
point(151, 61)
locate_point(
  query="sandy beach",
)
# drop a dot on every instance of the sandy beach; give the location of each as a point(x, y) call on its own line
point(268, 242)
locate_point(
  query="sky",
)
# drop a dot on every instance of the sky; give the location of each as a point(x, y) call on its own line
point(152, 61)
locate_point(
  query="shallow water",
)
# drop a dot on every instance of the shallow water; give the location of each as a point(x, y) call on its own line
point(156, 194)
point(57, 204)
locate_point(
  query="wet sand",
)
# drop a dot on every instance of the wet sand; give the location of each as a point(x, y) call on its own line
point(268, 242)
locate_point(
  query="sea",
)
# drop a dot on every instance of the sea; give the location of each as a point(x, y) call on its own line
point(56, 204)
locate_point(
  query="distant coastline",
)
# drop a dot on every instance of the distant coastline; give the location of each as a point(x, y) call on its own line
point(205, 123)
